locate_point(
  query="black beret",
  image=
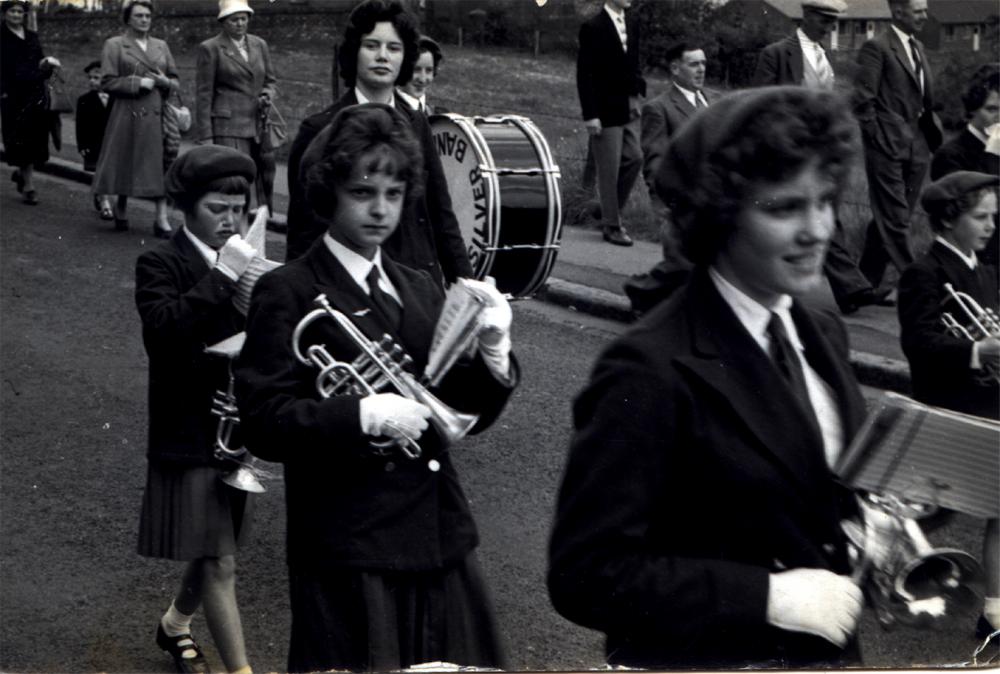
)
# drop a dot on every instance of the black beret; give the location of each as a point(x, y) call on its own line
point(943, 191)
point(203, 164)
point(91, 66)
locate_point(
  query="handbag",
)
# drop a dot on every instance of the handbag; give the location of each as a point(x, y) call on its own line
point(181, 113)
point(56, 98)
point(272, 131)
point(176, 119)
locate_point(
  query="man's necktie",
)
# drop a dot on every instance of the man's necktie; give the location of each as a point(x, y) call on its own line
point(787, 360)
point(699, 100)
point(391, 312)
point(918, 66)
point(823, 70)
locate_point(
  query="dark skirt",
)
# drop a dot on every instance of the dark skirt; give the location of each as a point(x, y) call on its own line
point(188, 513)
point(25, 123)
point(360, 620)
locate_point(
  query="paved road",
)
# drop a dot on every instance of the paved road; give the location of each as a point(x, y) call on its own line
point(74, 596)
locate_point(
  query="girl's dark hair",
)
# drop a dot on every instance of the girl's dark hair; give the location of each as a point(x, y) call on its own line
point(127, 9)
point(362, 21)
point(797, 127)
point(956, 208)
point(985, 80)
point(373, 133)
point(236, 185)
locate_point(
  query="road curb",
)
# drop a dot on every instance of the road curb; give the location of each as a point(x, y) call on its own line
point(871, 370)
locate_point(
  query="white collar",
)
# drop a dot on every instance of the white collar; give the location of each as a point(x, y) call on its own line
point(806, 40)
point(691, 96)
point(364, 99)
point(412, 101)
point(753, 315)
point(242, 42)
point(903, 37)
point(978, 134)
point(356, 265)
point(970, 262)
point(614, 12)
point(211, 256)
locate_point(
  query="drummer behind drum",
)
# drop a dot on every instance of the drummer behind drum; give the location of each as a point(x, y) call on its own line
point(378, 49)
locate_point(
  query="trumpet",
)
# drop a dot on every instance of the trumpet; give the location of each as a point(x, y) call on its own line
point(981, 322)
point(379, 366)
point(912, 583)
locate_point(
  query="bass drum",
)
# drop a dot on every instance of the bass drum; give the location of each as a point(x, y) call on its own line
point(505, 193)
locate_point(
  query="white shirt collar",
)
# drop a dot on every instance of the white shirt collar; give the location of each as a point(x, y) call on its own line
point(753, 315)
point(414, 102)
point(211, 256)
point(691, 96)
point(977, 133)
point(904, 38)
point(364, 99)
point(971, 262)
point(358, 267)
point(614, 12)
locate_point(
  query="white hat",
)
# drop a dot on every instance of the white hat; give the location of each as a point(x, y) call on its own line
point(227, 7)
point(830, 7)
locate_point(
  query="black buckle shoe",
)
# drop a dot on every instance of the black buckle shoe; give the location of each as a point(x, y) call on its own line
point(176, 647)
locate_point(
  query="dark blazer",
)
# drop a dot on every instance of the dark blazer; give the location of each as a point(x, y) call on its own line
point(91, 120)
point(887, 98)
point(693, 475)
point(662, 117)
point(606, 76)
point(779, 63)
point(346, 507)
point(964, 152)
point(428, 237)
point(939, 363)
point(228, 87)
point(184, 306)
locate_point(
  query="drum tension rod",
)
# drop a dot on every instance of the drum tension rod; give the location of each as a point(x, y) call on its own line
point(517, 172)
point(522, 246)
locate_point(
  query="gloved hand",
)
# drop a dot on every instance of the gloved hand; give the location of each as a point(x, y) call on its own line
point(393, 416)
point(236, 255)
point(814, 601)
point(496, 317)
point(146, 83)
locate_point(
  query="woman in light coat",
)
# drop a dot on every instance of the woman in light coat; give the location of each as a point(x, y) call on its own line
point(236, 85)
point(140, 74)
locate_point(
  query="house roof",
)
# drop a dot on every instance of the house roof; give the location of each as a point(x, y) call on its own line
point(962, 11)
point(856, 9)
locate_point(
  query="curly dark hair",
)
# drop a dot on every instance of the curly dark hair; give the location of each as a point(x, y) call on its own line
point(952, 210)
point(985, 80)
point(373, 133)
point(792, 128)
point(128, 7)
point(362, 21)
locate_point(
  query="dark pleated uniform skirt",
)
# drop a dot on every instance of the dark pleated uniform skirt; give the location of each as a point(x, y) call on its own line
point(360, 620)
point(188, 513)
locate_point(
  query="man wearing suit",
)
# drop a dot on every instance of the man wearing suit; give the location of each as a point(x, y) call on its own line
point(609, 83)
point(801, 59)
point(893, 101)
point(428, 236)
point(662, 117)
point(235, 84)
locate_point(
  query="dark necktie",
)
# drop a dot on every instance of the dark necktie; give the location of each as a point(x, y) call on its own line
point(389, 308)
point(784, 357)
point(918, 66)
point(699, 101)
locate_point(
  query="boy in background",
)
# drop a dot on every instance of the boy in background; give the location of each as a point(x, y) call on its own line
point(92, 110)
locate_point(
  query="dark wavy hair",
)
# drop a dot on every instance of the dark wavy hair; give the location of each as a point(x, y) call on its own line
point(985, 80)
point(127, 9)
point(362, 21)
point(796, 127)
point(956, 208)
point(373, 133)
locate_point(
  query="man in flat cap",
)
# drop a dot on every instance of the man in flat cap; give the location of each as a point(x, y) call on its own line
point(893, 101)
point(609, 83)
point(948, 370)
point(801, 59)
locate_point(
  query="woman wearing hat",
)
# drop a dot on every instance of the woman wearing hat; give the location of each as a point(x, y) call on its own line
point(23, 115)
point(184, 292)
point(140, 74)
point(947, 370)
point(236, 85)
point(698, 523)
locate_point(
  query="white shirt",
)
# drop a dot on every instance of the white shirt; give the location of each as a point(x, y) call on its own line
point(978, 134)
point(905, 39)
point(692, 96)
point(755, 318)
point(415, 103)
point(104, 98)
point(359, 267)
point(618, 18)
point(814, 52)
point(211, 256)
point(364, 99)
point(241, 47)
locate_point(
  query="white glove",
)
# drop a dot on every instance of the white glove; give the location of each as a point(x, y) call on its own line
point(993, 139)
point(52, 61)
point(814, 601)
point(496, 317)
point(235, 257)
point(392, 415)
point(146, 83)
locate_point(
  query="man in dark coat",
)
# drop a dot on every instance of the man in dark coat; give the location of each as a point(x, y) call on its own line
point(609, 83)
point(894, 100)
point(428, 237)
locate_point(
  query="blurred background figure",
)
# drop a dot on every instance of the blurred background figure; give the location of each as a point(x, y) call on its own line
point(235, 88)
point(138, 71)
point(425, 70)
point(92, 111)
point(24, 115)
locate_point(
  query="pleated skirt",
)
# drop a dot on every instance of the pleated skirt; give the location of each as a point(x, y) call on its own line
point(188, 513)
point(360, 620)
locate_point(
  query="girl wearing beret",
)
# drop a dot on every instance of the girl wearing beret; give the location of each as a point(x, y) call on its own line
point(698, 522)
point(184, 292)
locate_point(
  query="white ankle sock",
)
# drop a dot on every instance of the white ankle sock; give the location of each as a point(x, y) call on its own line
point(175, 623)
point(991, 609)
